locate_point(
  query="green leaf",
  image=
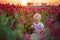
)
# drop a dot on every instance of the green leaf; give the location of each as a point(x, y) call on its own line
point(35, 37)
point(21, 27)
point(11, 35)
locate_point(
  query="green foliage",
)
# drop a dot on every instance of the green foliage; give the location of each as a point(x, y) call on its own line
point(44, 16)
point(6, 30)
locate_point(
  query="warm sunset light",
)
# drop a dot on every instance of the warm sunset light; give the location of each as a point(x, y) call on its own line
point(36, 2)
point(23, 2)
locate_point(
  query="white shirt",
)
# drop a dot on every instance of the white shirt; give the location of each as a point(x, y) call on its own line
point(39, 25)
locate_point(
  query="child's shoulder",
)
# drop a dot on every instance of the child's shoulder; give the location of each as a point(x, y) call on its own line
point(41, 24)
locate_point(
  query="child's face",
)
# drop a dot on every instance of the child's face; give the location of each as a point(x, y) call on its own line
point(36, 21)
point(37, 18)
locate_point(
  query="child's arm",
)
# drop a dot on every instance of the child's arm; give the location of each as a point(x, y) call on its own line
point(35, 28)
point(42, 27)
point(32, 27)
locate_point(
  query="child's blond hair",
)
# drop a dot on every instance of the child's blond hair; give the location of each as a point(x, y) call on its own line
point(37, 16)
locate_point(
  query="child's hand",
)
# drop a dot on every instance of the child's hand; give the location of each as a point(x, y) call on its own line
point(32, 27)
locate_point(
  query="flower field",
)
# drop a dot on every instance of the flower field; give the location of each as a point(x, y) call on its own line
point(16, 21)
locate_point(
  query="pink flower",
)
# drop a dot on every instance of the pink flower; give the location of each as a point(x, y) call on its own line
point(53, 10)
point(0, 11)
point(13, 25)
point(53, 31)
point(56, 31)
point(58, 16)
point(20, 20)
point(49, 22)
point(25, 35)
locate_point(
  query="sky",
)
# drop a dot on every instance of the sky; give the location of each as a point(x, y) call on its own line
point(24, 2)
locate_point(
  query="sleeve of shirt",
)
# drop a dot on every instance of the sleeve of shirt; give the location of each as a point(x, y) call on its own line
point(42, 26)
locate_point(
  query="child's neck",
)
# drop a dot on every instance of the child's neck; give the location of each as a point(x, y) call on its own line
point(37, 23)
